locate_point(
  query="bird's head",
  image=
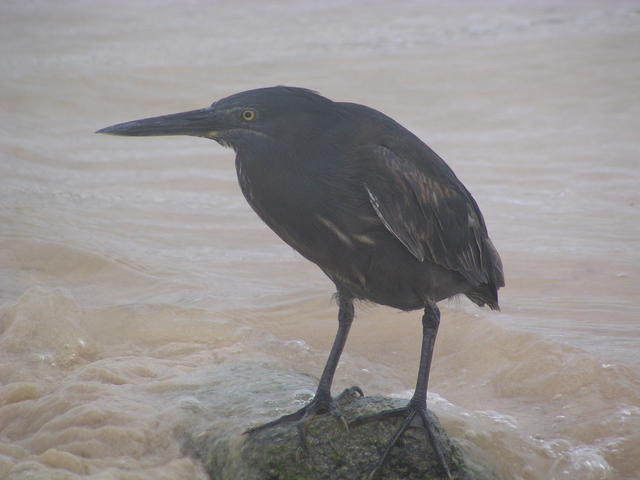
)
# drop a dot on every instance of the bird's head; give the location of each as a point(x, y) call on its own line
point(245, 119)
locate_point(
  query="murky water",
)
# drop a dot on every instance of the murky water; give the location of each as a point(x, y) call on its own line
point(133, 273)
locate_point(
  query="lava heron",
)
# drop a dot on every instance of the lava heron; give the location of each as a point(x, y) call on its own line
point(353, 191)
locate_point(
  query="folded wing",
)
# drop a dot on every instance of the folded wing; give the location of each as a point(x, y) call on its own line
point(428, 209)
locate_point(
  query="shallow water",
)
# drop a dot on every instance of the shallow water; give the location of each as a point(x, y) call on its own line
point(134, 275)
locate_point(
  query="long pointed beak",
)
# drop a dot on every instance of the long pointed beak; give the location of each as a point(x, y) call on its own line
point(200, 123)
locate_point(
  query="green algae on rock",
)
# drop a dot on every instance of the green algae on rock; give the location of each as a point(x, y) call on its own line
point(332, 452)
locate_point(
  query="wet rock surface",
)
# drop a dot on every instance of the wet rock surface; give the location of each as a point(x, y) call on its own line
point(332, 452)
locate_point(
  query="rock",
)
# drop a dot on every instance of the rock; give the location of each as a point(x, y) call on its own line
point(333, 452)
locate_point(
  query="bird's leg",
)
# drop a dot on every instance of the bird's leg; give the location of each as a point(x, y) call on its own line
point(322, 401)
point(418, 404)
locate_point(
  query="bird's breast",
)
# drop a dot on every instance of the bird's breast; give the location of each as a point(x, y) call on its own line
point(285, 200)
point(326, 218)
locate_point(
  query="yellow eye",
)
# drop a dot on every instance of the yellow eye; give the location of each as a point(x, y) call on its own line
point(248, 115)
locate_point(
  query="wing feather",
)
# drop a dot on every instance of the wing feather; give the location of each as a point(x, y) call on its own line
point(432, 214)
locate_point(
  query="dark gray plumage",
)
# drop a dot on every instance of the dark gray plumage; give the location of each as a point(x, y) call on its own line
point(363, 198)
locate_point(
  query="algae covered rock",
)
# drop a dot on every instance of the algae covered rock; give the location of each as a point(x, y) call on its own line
point(332, 453)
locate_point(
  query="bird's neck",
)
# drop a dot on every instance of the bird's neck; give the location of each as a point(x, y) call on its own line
point(282, 192)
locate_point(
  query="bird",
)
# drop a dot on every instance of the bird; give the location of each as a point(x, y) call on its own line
point(363, 198)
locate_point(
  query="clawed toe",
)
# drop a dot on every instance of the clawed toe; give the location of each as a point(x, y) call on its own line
point(409, 412)
point(292, 417)
point(319, 405)
point(376, 417)
point(349, 394)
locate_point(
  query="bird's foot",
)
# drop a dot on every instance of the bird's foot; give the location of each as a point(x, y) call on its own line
point(320, 404)
point(410, 412)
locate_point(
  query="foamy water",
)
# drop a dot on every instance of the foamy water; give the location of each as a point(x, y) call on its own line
point(141, 297)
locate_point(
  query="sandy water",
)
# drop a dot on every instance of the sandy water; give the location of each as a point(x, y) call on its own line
point(134, 276)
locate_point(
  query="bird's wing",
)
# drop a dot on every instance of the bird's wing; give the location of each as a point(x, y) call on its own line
point(430, 212)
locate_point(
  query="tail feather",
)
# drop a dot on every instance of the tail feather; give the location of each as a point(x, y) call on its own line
point(487, 293)
point(483, 295)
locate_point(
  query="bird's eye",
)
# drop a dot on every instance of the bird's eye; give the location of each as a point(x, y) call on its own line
point(248, 115)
